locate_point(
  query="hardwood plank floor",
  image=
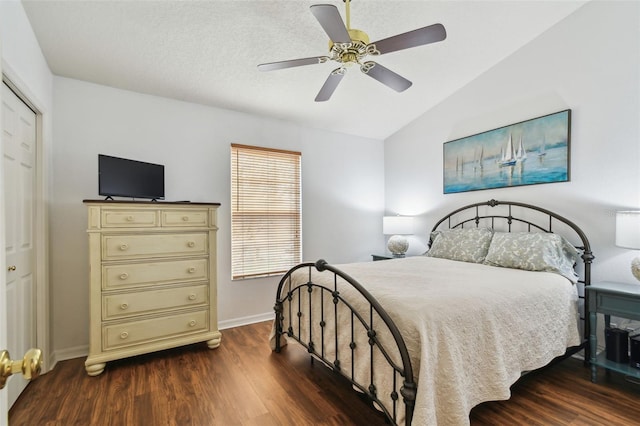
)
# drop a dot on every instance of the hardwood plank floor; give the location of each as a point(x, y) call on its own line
point(244, 383)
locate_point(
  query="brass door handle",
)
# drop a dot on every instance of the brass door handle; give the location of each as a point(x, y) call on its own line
point(29, 366)
point(11, 268)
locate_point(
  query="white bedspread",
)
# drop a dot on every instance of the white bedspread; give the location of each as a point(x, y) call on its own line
point(471, 329)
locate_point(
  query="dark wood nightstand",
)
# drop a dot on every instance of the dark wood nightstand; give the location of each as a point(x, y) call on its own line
point(385, 257)
point(381, 257)
point(609, 298)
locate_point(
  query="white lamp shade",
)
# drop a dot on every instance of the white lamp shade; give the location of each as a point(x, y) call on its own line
point(628, 229)
point(397, 225)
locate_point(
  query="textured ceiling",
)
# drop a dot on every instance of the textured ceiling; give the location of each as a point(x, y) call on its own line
point(207, 51)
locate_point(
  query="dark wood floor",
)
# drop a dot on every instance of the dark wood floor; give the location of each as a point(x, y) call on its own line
point(244, 383)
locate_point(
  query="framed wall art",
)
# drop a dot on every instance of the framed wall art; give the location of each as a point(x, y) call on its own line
point(526, 153)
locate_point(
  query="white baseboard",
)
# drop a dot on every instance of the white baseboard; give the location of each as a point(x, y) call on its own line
point(68, 353)
point(252, 319)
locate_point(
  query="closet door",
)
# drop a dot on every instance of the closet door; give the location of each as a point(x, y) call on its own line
point(19, 156)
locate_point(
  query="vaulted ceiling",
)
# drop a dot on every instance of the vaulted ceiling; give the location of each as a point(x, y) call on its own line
point(206, 52)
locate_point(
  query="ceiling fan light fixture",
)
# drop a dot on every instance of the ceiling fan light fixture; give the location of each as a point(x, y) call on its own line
point(349, 58)
point(351, 52)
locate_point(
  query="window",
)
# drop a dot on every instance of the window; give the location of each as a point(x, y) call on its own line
point(265, 211)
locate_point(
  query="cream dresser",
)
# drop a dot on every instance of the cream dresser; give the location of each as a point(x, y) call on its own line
point(152, 278)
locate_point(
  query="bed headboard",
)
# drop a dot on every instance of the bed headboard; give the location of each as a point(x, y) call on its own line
point(511, 216)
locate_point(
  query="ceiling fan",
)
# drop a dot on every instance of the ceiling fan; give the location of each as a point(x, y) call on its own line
point(349, 47)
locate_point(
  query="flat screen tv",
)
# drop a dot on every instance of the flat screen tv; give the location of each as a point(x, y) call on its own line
point(120, 177)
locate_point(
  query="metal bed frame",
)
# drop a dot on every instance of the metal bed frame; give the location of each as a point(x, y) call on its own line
point(495, 214)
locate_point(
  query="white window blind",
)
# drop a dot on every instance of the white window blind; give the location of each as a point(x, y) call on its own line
point(265, 211)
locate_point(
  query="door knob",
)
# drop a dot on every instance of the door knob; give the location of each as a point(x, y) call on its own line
point(29, 366)
point(11, 268)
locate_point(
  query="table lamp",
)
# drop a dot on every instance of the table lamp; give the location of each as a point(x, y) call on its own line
point(628, 235)
point(397, 227)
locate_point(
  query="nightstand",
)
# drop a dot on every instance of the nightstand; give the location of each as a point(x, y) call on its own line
point(387, 257)
point(609, 298)
point(381, 257)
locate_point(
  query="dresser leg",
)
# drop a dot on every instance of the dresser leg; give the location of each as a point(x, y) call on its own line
point(95, 369)
point(215, 342)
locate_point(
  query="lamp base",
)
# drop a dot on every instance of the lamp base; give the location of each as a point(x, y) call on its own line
point(635, 267)
point(398, 245)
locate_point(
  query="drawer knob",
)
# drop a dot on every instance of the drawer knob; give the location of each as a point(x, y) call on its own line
point(129, 218)
point(191, 244)
point(124, 335)
point(185, 218)
point(124, 276)
point(192, 323)
point(192, 296)
point(124, 247)
point(191, 270)
point(124, 306)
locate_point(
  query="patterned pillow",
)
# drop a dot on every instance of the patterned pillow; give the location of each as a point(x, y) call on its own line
point(465, 245)
point(533, 251)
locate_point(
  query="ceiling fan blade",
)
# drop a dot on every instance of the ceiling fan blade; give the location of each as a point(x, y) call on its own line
point(292, 63)
point(330, 85)
point(386, 76)
point(331, 21)
point(421, 36)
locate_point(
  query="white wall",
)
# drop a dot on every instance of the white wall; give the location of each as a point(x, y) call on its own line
point(342, 187)
point(589, 63)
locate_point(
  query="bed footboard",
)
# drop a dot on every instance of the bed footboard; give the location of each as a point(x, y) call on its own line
point(318, 328)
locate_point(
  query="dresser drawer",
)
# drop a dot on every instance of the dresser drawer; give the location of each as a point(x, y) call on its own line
point(129, 304)
point(154, 273)
point(154, 329)
point(185, 218)
point(153, 245)
point(129, 218)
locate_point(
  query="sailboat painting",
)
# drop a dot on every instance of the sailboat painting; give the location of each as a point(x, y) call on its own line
point(526, 153)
